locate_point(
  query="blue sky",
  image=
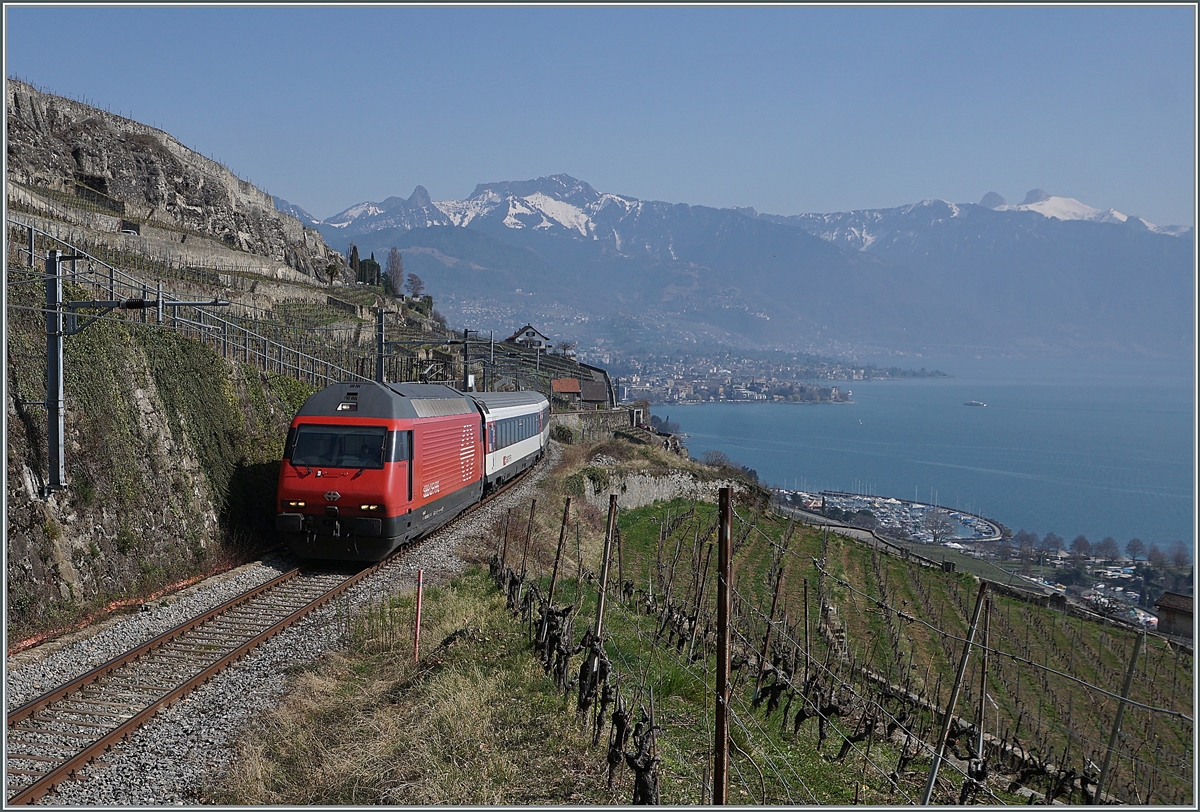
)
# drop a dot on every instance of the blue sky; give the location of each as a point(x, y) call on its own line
point(786, 109)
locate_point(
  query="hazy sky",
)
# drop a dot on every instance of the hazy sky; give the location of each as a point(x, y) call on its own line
point(786, 109)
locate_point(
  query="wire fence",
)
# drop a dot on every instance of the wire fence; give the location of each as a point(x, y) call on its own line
point(869, 688)
point(323, 339)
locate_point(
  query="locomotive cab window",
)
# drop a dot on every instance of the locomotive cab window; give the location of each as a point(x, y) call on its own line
point(399, 446)
point(339, 446)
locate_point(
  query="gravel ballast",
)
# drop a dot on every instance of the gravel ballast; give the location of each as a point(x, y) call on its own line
point(188, 746)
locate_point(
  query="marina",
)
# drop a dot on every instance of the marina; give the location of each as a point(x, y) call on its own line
point(899, 519)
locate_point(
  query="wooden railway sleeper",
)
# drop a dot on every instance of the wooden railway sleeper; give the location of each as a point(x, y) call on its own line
point(42, 732)
point(221, 636)
point(62, 721)
point(102, 714)
point(52, 746)
point(153, 690)
point(246, 617)
point(97, 702)
point(238, 615)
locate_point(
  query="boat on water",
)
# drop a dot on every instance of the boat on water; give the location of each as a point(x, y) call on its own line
point(974, 403)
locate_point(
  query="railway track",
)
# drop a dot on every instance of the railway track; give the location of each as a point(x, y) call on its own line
point(52, 738)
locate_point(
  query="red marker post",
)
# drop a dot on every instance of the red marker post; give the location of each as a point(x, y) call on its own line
point(417, 630)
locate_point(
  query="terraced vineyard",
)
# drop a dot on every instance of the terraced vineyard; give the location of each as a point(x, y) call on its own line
point(886, 636)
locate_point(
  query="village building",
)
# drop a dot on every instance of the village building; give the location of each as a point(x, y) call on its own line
point(565, 393)
point(529, 336)
point(596, 388)
point(1174, 614)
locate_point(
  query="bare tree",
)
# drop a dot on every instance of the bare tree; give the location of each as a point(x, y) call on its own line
point(1025, 542)
point(1024, 538)
point(1052, 543)
point(416, 288)
point(1181, 556)
point(1108, 549)
point(1134, 548)
point(939, 525)
point(1080, 547)
point(1156, 557)
point(394, 271)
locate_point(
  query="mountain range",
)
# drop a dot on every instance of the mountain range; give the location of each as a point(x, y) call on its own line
point(1050, 275)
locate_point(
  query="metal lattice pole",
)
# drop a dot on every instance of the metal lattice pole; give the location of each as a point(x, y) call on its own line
point(55, 405)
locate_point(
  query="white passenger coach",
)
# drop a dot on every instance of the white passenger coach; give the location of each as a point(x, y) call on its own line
point(517, 425)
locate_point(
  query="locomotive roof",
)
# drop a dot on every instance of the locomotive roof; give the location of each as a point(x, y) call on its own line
point(394, 401)
point(503, 400)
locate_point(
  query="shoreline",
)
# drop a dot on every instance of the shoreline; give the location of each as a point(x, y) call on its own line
point(674, 403)
point(1010, 462)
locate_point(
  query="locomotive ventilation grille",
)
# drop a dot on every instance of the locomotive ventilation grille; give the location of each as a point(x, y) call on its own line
point(439, 407)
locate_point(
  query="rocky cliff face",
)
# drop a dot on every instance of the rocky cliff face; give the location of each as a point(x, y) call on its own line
point(171, 457)
point(146, 176)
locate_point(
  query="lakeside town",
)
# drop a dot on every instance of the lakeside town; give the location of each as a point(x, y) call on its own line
point(1124, 586)
point(722, 376)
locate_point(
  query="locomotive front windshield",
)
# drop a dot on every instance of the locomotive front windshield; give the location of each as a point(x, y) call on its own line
point(339, 446)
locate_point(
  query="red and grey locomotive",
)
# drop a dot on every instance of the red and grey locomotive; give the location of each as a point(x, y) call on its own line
point(369, 466)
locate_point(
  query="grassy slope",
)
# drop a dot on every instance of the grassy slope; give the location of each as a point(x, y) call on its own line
point(478, 722)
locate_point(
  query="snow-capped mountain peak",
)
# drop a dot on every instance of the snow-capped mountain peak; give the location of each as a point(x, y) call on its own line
point(1068, 208)
point(1063, 208)
point(547, 203)
point(295, 211)
point(564, 205)
point(345, 218)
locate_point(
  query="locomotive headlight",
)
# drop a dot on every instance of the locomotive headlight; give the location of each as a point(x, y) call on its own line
point(370, 508)
point(293, 503)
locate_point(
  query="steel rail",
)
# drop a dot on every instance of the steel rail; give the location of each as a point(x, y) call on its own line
point(65, 690)
point(68, 769)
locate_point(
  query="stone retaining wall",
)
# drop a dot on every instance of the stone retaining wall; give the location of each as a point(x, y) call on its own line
point(594, 425)
point(640, 488)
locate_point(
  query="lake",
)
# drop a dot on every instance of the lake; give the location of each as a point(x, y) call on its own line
point(1069, 447)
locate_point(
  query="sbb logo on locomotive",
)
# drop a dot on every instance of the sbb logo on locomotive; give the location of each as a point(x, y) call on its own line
point(466, 454)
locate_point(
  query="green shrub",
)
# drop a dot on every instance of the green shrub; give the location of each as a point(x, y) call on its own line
point(125, 541)
point(84, 492)
point(573, 485)
point(598, 477)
